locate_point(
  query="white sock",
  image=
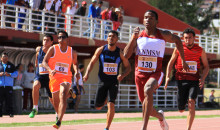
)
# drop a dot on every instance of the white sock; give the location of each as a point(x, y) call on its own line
point(36, 107)
point(56, 114)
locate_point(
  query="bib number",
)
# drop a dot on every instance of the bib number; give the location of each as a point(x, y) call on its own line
point(147, 64)
point(62, 68)
point(192, 67)
point(42, 70)
point(110, 68)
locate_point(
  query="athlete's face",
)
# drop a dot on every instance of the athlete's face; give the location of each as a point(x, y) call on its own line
point(149, 20)
point(112, 39)
point(62, 38)
point(47, 42)
point(188, 39)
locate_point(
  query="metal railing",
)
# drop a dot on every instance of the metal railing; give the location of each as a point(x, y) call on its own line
point(127, 98)
point(78, 26)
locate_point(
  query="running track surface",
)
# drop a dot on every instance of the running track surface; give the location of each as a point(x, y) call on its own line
point(174, 124)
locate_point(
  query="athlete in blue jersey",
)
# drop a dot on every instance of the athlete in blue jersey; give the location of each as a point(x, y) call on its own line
point(110, 58)
point(42, 75)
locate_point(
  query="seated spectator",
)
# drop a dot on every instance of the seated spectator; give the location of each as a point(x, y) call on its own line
point(27, 83)
point(7, 75)
point(9, 21)
point(22, 14)
point(118, 20)
point(18, 80)
point(212, 96)
point(71, 9)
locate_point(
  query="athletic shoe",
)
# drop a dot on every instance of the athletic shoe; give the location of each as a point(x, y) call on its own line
point(33, 113)
point(163, 123)
point(57, 125)
point(11, 115)
point(73, 95)
point(106, 129)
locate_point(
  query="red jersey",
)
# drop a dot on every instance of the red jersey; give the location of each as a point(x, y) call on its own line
point(65, 4)
point(149, 53)
point(192, 58)
point(105, 15)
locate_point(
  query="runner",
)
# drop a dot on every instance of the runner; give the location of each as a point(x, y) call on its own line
point(110, 58)
point(150, 47)
point(42, 76)
point(58, 61)
point(190, 82)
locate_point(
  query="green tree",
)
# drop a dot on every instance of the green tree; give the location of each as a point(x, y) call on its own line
point(188, 11)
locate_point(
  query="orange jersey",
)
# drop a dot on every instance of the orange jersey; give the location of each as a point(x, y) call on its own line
point(61, 62)
point(192, 58)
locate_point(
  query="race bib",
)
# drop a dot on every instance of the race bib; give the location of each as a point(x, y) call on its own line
point(147, 64)
point(42, 70)
point(110, 68)
point(192, 67)
point(62, 68)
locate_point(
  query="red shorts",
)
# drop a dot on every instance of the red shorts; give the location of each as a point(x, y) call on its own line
point(141, 79)
point(55, 83)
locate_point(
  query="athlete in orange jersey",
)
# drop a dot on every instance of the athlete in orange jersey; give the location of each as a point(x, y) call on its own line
point(188, 83)
point(58, 61)
point(150, 47)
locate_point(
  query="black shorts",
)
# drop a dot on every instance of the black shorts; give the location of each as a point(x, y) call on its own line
point(187, 89)
point(76, 90)
point(105, 90)
point(44, 81)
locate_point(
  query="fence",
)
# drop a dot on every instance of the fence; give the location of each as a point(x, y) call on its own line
point(127, 98)
point(78, 26)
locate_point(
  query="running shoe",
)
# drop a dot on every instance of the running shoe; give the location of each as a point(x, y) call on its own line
point(33, 113)
point(163, 123)
point(57, 125)
point(106, 129)
point(73, 95)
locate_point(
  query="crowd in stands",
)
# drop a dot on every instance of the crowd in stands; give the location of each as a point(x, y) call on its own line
point(65, 11)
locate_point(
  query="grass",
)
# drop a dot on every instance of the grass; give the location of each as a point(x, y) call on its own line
point(92, 121)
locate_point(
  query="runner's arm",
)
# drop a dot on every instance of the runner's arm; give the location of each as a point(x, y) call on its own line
point(75, 64)
point(126, 65)
point(130, 47)
point(49, 54)
point(37, 53)
point(92, 62)
point(205, 70)
point(169, 37)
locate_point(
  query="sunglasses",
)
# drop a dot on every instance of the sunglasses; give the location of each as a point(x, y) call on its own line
point(63, 37)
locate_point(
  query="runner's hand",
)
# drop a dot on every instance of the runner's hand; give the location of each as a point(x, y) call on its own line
point(185, 67)
point(166, 82)
point(77, 76)
point(136, 32)
point(85, 78)
point(120, 77)
point(52, 72)
point(201, 83)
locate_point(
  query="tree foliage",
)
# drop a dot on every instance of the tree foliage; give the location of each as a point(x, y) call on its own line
point(188, 11)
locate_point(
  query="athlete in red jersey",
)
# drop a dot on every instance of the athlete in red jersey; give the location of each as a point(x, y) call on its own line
point(188, 82)
point(150, 47)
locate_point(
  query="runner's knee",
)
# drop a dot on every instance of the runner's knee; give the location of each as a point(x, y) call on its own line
point(148, 90)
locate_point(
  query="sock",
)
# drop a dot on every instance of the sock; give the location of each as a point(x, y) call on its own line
point(56, 114)
point(36, 107)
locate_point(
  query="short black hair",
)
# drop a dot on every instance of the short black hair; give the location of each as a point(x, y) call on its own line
point(4, 54)
point(61, 31)
point(189, 30)
point(81, 66)
point(154, 12)
point(48, 35)
point(113, 31)
point(100, 2)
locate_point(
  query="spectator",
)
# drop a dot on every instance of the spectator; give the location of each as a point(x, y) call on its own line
point(81, 10)
point(18, 79)
point(65, 4)
point(49, 19)
point(7, 75)
point(91, 14)
point(122, 10)
point(9, 21)
point(118, 20)
point(22, 14)
point(71, 9)
point(212, 97)
point(35, 4)
point(78, 87)
point(98, 13)
point(27, 83)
